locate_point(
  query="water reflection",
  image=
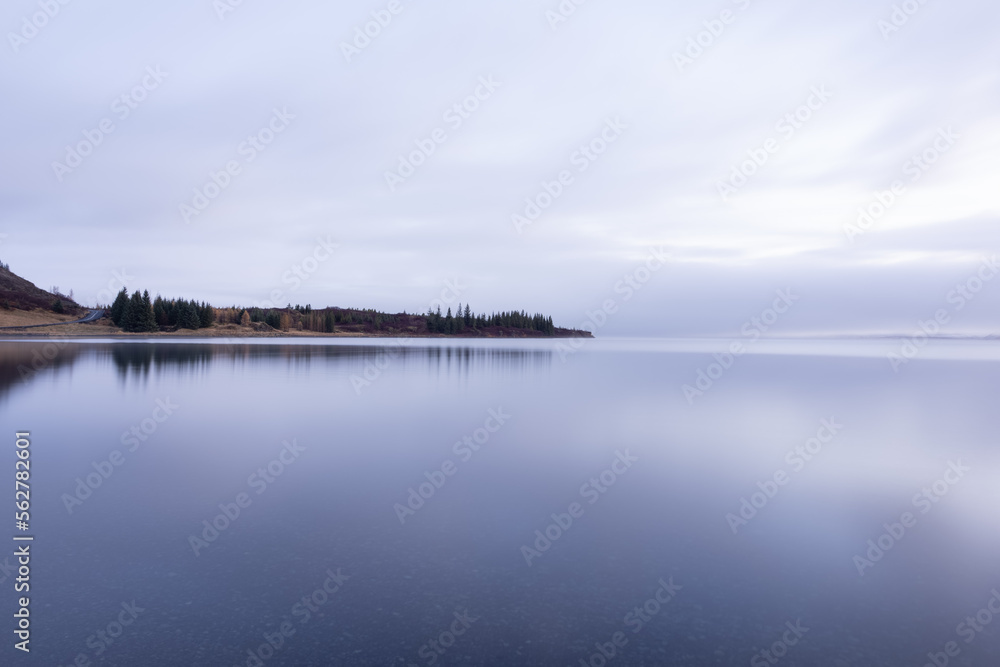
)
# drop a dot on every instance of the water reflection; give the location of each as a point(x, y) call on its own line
point(23, 361)
point(367, 448)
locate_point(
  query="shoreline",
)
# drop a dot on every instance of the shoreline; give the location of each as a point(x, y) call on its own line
point(221, 334)
point(95, 324)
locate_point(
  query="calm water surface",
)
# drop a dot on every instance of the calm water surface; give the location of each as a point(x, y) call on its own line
point(507, 503)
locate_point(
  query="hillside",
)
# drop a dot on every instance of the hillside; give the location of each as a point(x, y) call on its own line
point(18, 293)
point(24, 305)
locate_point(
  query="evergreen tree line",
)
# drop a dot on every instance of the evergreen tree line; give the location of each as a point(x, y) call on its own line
point(462, 320)
point(371, 317)
point(137, 313)
point(305, 318)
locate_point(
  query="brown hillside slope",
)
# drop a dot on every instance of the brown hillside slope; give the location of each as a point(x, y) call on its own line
point(16, 292)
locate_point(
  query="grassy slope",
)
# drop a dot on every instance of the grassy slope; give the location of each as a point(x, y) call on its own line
point(21, 302)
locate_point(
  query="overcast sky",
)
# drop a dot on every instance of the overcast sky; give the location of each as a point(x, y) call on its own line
point(815, 106)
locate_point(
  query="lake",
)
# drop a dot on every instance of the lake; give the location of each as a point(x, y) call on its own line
point(464, 502)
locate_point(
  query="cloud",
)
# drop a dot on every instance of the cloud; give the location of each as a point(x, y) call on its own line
point(658, 185)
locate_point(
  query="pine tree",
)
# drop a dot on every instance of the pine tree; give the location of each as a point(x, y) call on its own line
point(206, 314)
point(160, 312)
point(148, 319)
point(187, 315)
point(118, 308)
point(126, 314)
point(133, 319)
